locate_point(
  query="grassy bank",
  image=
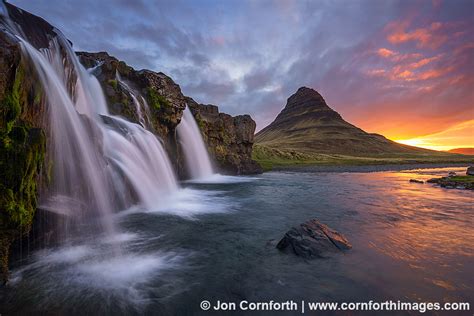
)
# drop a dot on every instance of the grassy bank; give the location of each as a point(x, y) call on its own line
point(271, 158)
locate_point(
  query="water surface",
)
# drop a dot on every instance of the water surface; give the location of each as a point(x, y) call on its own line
point(216, 241)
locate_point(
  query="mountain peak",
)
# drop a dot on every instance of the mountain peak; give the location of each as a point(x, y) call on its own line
point(308, 125)
point(306, 97)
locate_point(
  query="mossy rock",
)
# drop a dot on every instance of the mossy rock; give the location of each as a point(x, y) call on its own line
point(22, 152)
point(157, 101)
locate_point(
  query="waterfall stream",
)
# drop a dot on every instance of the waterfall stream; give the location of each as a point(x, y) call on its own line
point(197, 158)
point(97, 158)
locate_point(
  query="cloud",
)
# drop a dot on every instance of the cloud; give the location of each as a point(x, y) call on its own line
point(430, 36)
point(396, 68)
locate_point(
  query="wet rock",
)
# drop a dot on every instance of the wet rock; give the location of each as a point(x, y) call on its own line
point(470, 171)
point(313, 239)
point(451, 174)
point(416, 181)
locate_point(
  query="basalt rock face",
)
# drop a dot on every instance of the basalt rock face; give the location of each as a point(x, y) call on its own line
point(229, 139)
point(22, 130)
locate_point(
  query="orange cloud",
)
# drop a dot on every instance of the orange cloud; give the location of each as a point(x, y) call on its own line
point(396, 56)
point(425, 37)
point(404, 70)
point(384, 52)
point(433, 73)
point(422, 62)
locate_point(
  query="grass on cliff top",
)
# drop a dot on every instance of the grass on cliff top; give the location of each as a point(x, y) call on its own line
point(272, 158)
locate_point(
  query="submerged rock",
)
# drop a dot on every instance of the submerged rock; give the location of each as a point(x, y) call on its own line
point(416, 181)
point(313, 239)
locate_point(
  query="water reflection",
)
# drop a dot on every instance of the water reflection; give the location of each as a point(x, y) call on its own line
point(426, 230)
point(411, 242)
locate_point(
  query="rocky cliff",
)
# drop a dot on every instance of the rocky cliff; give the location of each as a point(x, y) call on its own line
point(156, 93)
point(229, 139)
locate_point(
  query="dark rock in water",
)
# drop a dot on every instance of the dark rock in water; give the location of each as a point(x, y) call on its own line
point(416, 181)
point(454, 182)
point(313, 239)
point(470, 171)
point(451, 174)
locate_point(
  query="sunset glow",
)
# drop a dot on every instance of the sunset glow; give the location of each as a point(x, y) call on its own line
point(458, 136)
point(403, 69)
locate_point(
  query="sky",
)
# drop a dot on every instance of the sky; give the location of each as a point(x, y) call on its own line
point(403, 69)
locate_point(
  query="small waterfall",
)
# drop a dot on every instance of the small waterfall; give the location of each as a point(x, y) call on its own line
point(197, 158)
point(143, 119)
point(142, 160)
point(101, 163)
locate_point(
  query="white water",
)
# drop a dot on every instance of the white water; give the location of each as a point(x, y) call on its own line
point(98, 168)
point(197, 158)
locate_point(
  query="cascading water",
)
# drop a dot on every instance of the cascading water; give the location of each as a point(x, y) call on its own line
point(144, 119)
point(101, 163)
point(197, 158)
point(80, 183)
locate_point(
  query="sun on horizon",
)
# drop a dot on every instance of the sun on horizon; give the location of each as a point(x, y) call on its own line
point(458, 136)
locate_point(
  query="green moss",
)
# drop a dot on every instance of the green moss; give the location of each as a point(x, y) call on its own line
point(22, 151)
point(113, 83)
point(11, 108)
point(155, 100)
point(38, 96)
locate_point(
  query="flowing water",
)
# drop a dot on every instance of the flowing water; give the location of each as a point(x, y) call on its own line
point(101, 163)
point(197, 158)
point(141, 107)
point(216, 241)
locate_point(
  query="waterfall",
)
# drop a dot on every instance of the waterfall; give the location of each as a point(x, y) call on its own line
point(101, 163)
point(197, 158)
point(143, 119)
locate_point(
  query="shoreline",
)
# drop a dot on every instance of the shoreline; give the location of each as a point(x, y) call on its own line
point(365, 168)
